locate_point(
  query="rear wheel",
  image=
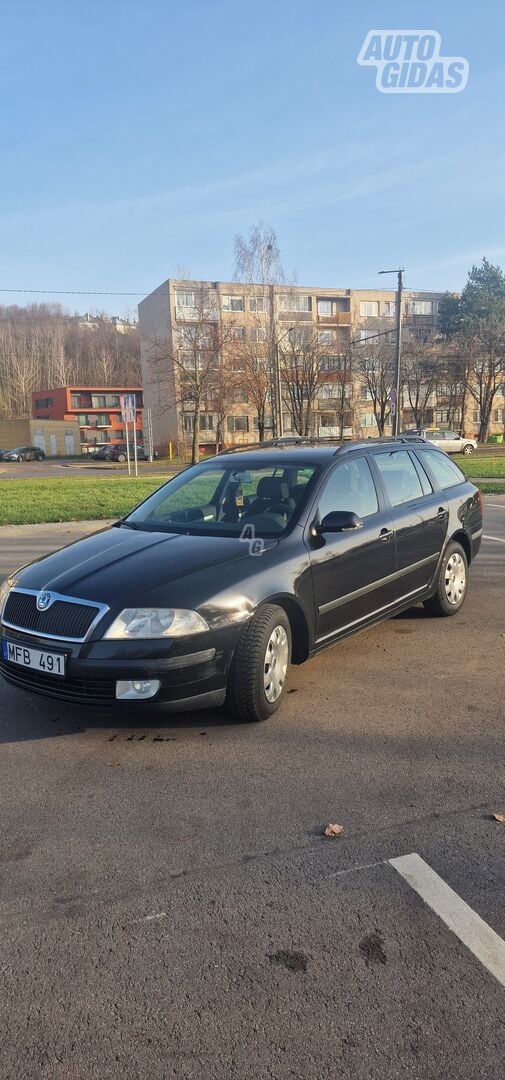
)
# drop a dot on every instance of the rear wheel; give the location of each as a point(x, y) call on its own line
point(467, 449)
point(121, 457)
point(452, 583)
point(257, 680)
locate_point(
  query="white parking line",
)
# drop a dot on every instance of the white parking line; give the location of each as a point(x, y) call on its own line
point(497, 539)
point(497, 506)
point(464, 922)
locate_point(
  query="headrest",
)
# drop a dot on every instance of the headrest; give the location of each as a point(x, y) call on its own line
point(273, 487)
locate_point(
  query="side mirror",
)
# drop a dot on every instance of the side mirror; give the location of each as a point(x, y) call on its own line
point(340, 521)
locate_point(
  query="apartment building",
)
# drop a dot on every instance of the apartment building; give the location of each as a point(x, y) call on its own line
point(96, 409)
point(251, 317)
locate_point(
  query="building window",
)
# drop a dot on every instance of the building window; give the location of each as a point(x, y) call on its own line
point(325, 337)
point(295, 302)
point(185, 298)
point(330, 390)
point(233, 303)
point(240, 396)
point(331, 363)
point(102, 420)
point(237, 333)
point(237, 423)
point(324, 307)
point(419, 307)
point(390, 309)
point(368, 420)
point(206, 422)
point(499, 416)
point(367, 335)
point(98, 401)
point(258, 303)
point(112, 401)
point(365, 394)
point(44, 403)
point(76, 401)
point(369, 309)
point(259, 333)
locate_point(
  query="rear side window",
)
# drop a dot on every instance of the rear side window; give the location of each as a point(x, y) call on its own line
point(445, 471)
point(399, 476)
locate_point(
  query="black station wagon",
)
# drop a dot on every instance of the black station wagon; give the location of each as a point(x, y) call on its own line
point(237, 567)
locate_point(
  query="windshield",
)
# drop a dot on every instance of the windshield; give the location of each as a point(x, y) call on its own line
point(223, 500)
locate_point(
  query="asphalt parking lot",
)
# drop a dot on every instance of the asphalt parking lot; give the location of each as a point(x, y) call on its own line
point(170, 907)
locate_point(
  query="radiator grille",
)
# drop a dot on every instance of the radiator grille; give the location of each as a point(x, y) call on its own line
point(67, 619)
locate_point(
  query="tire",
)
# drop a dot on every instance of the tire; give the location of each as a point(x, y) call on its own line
point(39, 457)
point(467, 449)
point(121, 457)
point(452, 583)
point(252, 694)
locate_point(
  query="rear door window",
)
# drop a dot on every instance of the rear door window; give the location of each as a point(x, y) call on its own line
point(399, 476)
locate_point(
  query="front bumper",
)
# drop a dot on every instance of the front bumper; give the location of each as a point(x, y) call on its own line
point(192, 671)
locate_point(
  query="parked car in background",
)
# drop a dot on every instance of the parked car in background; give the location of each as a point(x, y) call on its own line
point(118, 452)
point(24, 453)
point(2, 452)
point(238, 566)
point(449, 441)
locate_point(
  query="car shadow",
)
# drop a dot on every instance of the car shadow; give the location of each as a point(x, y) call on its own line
point(26, 717)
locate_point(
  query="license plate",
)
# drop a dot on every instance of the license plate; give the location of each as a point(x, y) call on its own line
point(49, 663)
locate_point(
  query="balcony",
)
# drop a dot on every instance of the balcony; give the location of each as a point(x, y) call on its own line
point(340, 318)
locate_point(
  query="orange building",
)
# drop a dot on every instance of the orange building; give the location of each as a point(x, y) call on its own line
point(97, 410)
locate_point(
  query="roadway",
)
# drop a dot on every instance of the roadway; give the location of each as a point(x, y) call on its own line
point(170, 907)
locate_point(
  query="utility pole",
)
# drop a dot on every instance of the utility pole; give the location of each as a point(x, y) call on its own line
point(277, 385)
point(395, 400)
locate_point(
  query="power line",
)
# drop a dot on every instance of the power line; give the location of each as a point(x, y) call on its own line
point(74, 292)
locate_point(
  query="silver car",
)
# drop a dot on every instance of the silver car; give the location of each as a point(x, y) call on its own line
point(449, 441)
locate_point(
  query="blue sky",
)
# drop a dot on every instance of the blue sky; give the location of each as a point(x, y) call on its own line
point(140, 136)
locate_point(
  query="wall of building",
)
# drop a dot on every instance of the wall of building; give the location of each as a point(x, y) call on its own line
point(158, 376)
point(56, 438)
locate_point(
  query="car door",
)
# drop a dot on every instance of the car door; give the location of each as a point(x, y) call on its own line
point(420, 518)
point(452, 442)
point(352, 571)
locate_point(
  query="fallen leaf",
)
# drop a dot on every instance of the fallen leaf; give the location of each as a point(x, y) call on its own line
point(334, 830)
point(499, 817)
point(114, 765)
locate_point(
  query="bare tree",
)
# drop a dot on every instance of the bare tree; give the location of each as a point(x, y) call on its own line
point(374, 365)
point(420, 374)
point(258, 258)
point(302, 372)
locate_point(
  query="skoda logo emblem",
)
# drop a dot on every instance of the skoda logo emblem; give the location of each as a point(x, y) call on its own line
point(44, 600)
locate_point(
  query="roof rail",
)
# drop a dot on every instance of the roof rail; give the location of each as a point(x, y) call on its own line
point(287, 442)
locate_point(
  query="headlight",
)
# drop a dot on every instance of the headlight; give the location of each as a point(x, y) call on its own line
point(5, 589)
point(137, 623)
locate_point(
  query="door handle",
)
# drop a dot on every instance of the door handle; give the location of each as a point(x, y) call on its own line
point(386, 534)
point(442, 513)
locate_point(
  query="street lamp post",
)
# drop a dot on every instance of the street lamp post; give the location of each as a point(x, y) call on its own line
point(277, 416)
point(398, 350)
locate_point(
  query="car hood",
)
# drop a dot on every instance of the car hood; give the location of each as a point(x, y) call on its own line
point(118, 566)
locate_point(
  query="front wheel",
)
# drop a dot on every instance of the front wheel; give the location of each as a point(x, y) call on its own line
point(257, 680)
point(467, 449)
point(121, 457)
point(452, 583)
